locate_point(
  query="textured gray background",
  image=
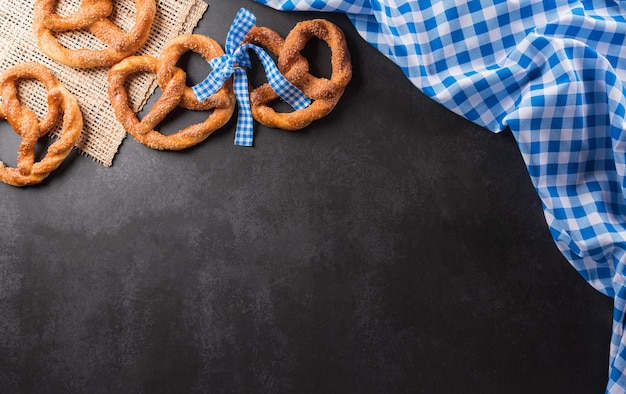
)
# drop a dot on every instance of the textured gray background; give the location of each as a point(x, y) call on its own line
point(391, 247)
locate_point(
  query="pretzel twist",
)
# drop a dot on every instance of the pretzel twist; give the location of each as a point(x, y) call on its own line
point(92, 15)
point(171, 80)
point(61, 104)
point(325, 93)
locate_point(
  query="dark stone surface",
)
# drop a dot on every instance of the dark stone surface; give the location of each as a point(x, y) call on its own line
point(391, 247)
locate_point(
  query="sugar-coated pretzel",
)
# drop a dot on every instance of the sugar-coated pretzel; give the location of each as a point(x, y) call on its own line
point(324, 92)
point(171, 80)
point(92, 16)
point(61, 104)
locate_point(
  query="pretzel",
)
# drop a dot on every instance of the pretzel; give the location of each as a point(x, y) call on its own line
point(61, 103)
point(92, 15)
point(324, 92)
point(171, 80)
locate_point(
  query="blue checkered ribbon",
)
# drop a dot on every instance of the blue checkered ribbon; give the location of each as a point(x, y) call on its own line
point(554, 73)
point(231, 64)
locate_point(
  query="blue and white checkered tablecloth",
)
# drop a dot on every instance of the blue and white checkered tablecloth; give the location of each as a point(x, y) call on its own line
point(551, 71)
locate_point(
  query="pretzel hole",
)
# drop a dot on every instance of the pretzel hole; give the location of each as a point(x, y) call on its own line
point(41, 149)
point(134, 104)
point(79, 39)
point(196, 67)
point(178, 119)
point(319, 55)
point(33, 95)
point(124, 14)
point(280, 106)
point(66, 7)
point(256, 75)
point(10, 142)
point(135, 86)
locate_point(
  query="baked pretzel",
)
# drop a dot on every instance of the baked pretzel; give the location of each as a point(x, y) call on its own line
point(325, 93)
point(171, 80)
point(25, 123)
point(92, 16)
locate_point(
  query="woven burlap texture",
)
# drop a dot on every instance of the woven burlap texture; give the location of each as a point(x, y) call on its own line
point(102, 134)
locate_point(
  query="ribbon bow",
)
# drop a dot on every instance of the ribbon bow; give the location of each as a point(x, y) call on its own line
point(232, 62)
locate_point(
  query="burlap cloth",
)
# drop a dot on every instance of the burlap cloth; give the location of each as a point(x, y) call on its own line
point(102, 134)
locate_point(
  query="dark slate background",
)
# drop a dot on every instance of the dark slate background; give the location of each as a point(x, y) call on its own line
point(391, 247)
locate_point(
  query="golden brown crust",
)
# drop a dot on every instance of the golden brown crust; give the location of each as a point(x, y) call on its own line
point(171, 80)
point(61, 103)
point(272, 41)
point(207, 48)
point(92, 15)
point(324, 93)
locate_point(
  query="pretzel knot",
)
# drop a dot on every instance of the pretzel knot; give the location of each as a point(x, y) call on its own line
point(171, 80)
point(92, 15)
point(61, 103)
point(325, 93)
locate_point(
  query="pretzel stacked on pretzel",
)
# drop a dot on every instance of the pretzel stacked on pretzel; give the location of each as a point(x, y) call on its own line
point(61, 106)
point(324, 92)
point(171, 80)
point(92, 16)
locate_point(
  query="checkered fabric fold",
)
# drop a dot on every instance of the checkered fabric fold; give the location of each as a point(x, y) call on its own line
point(552, 72)
point(231, 64)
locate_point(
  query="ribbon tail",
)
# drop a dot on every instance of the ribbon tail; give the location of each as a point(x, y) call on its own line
point(244, 136)
point(285, 89)
point(222, 70)
point(211, 84)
